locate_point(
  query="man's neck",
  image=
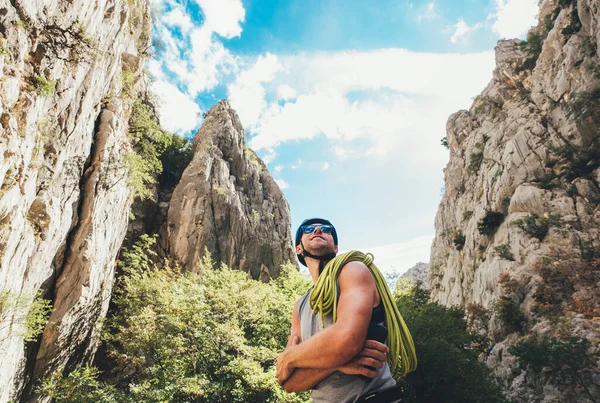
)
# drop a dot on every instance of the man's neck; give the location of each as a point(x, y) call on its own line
point(313, 268)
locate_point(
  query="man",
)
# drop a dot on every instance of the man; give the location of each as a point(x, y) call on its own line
point(333, 358)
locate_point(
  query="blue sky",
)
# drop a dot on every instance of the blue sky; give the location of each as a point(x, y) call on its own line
point(345, 100)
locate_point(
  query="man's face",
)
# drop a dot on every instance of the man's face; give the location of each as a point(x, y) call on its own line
point(318, 243)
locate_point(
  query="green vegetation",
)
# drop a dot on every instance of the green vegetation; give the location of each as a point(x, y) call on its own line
point(564, 361)
point(444, 142)
point(36, 318)
point(211, 336)
point(538, 227)
point(503, 252)
point(507, 307)
point(148, 141)
point(567, 284)
point(37, 314)
point(42, 86)
point(475, 161)
point(533, 49)
point(448, 369)
point(254, 218)
point(508, 312)
point(459, 240)
point(175, 159)
point(489, 224)
point(251, 156)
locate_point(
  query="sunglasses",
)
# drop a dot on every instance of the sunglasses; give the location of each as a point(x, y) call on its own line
point(309, 229)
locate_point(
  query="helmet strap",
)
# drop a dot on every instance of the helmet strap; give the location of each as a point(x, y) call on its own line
point(321, 259)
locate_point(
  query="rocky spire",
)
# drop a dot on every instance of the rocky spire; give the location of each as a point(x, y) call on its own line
point(228, 204)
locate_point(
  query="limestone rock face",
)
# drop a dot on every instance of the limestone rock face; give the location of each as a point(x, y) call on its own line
point(418, 273)
point(227, 203)
point(510, 160)
point(63, 199)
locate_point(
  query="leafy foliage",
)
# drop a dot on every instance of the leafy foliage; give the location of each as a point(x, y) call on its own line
point(148, 141)
point(567, 283)
point(211, 336)
point(175, 159)
point(564, 360)
point(444, 142)
point(490, 223)
point(538, 227)
point(503, 251)
point(42, 86)
point(508, 312)
point(36, 317)
point(448, 369)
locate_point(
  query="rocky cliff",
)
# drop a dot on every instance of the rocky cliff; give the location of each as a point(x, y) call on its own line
point(227, 203)
point(63, 209)
point(521, 208)
point(71, 82)
point(417, 273)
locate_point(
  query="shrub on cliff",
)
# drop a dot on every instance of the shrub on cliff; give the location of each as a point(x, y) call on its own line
point(148, 141)
point(448, 369)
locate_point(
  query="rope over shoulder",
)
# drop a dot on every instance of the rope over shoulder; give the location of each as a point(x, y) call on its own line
point(324, 299)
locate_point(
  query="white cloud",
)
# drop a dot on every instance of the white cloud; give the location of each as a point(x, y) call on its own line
point(429, 13)
point(399, 257)
point(247, 94)
point(513, 18)
point(223, 16)
point(282, 184)
point(297, 165)
point(325, 166)
point(341, 153)
point(269, 157)
point(285, 92)
point(278, 168)
point(462, 31)
point(404, 97)
point(205, 60)
point(177, 111)
point(178, 18)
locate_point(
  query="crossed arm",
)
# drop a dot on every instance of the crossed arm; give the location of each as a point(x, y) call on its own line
point(341, 346)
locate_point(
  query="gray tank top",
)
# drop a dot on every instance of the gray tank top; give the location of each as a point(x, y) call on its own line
point(338, 387)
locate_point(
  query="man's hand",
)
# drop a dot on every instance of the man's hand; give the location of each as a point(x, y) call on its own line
point(372, 356)
point(284, 369)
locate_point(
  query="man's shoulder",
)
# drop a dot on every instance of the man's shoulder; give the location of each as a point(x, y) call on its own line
point(355, 273)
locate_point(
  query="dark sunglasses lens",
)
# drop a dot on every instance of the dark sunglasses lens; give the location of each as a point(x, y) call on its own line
point(308, 229)
point(326, 229)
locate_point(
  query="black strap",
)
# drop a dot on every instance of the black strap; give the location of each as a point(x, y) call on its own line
point(321, 259)
point(388, 395)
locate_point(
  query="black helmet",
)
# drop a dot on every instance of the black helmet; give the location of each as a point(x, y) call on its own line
point(299, 238)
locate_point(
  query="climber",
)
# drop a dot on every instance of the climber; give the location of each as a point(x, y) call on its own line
point(333, 347)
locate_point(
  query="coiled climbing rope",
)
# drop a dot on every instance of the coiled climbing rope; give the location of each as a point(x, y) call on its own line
point(324, 299)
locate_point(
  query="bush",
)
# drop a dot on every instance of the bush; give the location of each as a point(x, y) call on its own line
point(445, 143)
point(503, 251)
point(459, 240)
point(508, 312)
point(211, 336)
point(148, 141)
point(475, 161)
point(567, 283)
point(36, 317)
point(490, 223)
point(564, 360)
point(533, 48)
point(42, 86)
point(448, 370)
point(538, 227)
point(175, 159)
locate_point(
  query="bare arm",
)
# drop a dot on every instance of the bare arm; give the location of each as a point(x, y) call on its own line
point(372, 356)
point(341, 342)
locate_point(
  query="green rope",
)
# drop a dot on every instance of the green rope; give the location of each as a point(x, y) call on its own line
point(323, 299)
